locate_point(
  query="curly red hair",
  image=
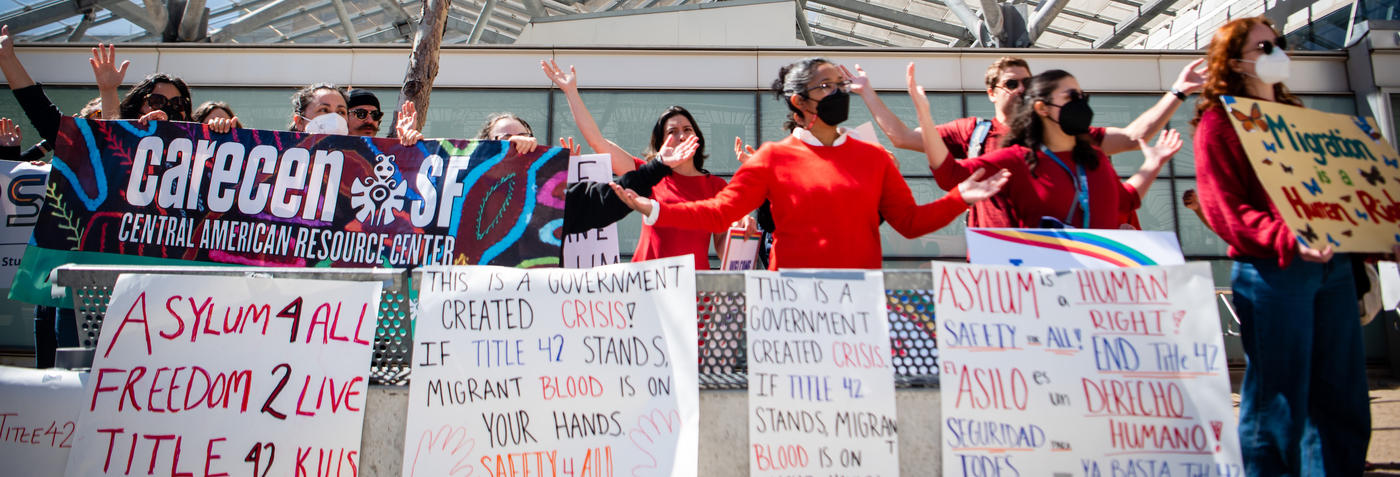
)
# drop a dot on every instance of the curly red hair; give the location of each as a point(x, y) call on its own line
point(1226, 45)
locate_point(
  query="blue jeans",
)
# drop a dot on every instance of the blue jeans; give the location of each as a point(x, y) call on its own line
point(1304, 407)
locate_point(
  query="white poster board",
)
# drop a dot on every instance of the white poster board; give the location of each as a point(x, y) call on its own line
point(1390, 284)
point(1069, 249)
point(22, 186)
point(1088, 372)
point(561, 372)
point(821, 382)
point(206, 375)
point(598, 246)
point(740, 249)
point(38, 419)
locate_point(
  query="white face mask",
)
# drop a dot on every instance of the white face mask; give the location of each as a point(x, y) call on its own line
point(1272, 68)
point(328, 123)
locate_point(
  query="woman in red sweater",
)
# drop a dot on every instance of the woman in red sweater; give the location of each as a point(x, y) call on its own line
point(1057, 172)
point(1304, 407)
point(828, 190)
point(688, 181)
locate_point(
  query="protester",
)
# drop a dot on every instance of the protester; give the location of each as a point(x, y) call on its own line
point(364, 114)
point(312, 106)
point(1058, 175)
point(689, 180)
point(1304, 407)
point(829, 192)
point(215, 111)
point(1005, 80)
point(41, 111)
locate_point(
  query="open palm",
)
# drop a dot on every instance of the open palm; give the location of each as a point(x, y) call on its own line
point(976, 189)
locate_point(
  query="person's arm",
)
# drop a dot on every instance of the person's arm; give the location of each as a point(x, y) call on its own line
point(9, 140)
point(568, 84)
point(15, 74)
point(42, 113)
point(1126, 138)
point(1154, 158)
point(911, 220)
point(745, 191)
point(109, 78)
point(1222, 178)
point(933, 147)
point(899, 134)
point(594, 205)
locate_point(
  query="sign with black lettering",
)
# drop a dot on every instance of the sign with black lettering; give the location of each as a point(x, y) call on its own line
point(555, 372)
point(1091, 372)
point(23, 186)
point(175, 193)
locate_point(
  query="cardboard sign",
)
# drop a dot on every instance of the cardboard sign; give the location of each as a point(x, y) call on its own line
point(1086, 372)
point(1332, 177)
point(598, 246)
point(23, 186)
point(175, 193)
point(1072, 249)
point(740, 249)
point(38, 419)
point(209, 375)
point(821, 384)
point(555, 372)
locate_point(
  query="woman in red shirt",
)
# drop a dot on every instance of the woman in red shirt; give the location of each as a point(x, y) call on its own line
point(828, 191)
point(1058, 174)
point(1303, 407)
point(688, 181)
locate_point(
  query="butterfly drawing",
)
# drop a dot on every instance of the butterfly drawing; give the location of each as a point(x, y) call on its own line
point(1373, 177)
point(1309, 234)
point(1287, 168)
point(1365, 127)
point(1255, 119)
point(1268, 162)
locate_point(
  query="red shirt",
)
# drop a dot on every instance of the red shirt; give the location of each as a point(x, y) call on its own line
point(661, 241)
point(1234, 202)
point(1050, 190)
point(827, 203)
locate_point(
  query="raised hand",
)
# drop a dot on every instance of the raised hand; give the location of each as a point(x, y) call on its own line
point(916, 92)
point(674, 156)
point(104, 67)
point(860, 84)
point(975, 189)
point(574, 148)
point(407, 125)
point(565, 81)
point(1192, 77)
point(7, 42)
point(635, 202)
point(741, 151)
point(221, 125)
point(9, 133)
point(1167, 144)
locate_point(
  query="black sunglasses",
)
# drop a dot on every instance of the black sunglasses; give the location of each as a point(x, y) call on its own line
point(1268, 47)
point(156, 101)
point(1012, 84)
point(361, 113)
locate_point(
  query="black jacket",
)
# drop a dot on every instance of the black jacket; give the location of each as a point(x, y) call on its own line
point(594, 205)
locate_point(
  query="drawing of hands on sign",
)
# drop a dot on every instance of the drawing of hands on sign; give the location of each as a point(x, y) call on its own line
point(442, 452)
point(655, 435)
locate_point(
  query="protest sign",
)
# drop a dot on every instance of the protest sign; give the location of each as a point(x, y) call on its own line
point(228, 375)
point(177, 194)
point(38, 418)
point(23, 186)
point(1332, 177)
point(821, 385)
point(598, 246)
point(1063, 249)
point(1095, 372)
point(1389, 275)
point(740, 249)
point(555, 372)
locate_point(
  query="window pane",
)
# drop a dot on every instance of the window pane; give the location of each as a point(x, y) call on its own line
point(945, 107)
point(946, 242)
point(1330, 103)
point(460, 114)
point(627, 117)
point(1158, 209)
point(69, 100)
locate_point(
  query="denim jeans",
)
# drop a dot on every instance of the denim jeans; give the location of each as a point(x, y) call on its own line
point(1304, 407)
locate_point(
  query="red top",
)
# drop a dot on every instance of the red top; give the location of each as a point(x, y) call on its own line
point(827, 203)
point(661, 241)
point(1235, 205)
point(1050, 190)
point(996, 211)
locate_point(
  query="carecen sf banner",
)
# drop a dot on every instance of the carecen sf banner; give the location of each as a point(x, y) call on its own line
point(174, 193)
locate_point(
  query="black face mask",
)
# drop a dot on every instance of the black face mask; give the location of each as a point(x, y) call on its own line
point(834, 108)
point(1076, 116)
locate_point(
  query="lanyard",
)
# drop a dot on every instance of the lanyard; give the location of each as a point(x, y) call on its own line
point(1081, 187)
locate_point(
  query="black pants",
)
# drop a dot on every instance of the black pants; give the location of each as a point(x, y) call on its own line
point(53, 328)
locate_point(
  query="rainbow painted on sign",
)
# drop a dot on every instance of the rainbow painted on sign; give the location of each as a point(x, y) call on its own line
point(1087, 244)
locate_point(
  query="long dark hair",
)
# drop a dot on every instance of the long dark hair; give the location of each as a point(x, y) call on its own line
point(658, 136)
point(131, 105)
point(792, 81)
point(1028, 130)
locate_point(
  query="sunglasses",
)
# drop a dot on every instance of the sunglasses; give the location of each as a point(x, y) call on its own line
point(1268, 46)
point(156, 101)
point(1012, 84)
point(361, 113)
point(844, 85)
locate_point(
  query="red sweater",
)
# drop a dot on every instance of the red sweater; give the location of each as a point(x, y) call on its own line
point(827, 203)
point(1049, 191)
point(1234, 202)
point(661, 242)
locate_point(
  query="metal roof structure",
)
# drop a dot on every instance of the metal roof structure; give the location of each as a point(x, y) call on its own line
point(1157, 24)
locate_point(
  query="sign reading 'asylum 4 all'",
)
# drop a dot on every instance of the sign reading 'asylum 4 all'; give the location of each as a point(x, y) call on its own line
point(174, 193)
point(1332, 177)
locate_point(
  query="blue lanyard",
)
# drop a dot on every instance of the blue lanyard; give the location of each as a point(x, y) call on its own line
point(1081, 187)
